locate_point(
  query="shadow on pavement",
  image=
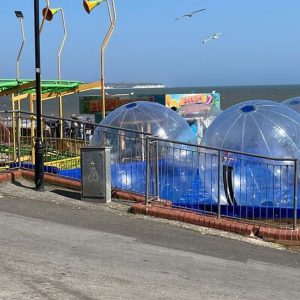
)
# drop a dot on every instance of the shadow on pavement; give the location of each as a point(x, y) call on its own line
point(68, 194)
point(20, 184)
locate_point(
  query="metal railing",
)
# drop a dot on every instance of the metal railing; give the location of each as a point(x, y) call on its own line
point(223, 182)
point(226, 183)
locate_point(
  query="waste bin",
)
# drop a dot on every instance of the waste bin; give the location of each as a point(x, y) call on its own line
point(95, 174)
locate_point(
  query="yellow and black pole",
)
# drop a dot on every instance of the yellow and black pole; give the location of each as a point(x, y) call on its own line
point(89, 5)
point(39, 148)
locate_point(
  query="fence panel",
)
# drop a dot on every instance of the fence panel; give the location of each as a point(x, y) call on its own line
point(222, 182)
point(128, 157)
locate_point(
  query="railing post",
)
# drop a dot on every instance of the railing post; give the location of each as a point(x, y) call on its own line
point(84, 133)
point(295, 194)
point(19, 138)
point(147, 170)
point(219, 185)
point(106, 140)
point(157, 171)
point(14, 132)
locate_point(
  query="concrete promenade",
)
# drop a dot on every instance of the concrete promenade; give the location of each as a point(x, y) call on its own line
point(53, 246)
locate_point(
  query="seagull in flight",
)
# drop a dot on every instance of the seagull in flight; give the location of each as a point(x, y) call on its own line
point(212, 37)
point(190, 14)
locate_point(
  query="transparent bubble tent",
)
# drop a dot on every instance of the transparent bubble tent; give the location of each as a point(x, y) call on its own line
point(259, 127)
point(293, 103)
point(245, 158)
point(156, 120)
point(199, 116)
point(148, 117)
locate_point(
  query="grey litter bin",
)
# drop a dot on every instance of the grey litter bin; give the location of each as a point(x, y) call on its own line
point(95, 174)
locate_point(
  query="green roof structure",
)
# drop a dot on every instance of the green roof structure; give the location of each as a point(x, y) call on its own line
point(24, 86)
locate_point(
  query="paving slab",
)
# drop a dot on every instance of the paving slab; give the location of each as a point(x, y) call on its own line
point(54, 246)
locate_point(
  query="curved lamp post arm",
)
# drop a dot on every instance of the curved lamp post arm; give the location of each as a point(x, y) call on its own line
point(59, 70)
point(44, 17)
point(48, 14)
point(63, 42)
point(21, 49)
point(112, 17)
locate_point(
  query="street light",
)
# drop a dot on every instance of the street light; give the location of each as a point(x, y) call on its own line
point(89, 5)
point(20, 16)
point(48, 14)
point(39, 149)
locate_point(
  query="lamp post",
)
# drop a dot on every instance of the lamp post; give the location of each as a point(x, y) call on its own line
point(20, 16)
point(89, 5)
point(39, 149)
point(48, 14)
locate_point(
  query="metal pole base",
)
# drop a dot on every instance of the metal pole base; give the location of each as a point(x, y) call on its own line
point(39, 165)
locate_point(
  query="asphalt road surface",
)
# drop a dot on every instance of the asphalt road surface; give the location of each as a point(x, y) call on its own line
point(53, 246)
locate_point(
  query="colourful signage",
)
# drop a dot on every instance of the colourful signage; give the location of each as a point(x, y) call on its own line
point(93, 104)
point(177, 100)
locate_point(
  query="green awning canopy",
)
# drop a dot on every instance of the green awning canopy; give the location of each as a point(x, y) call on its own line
point(47, 86)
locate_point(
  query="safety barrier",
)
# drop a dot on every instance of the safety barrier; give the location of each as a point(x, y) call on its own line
point(222, 182)
point(214, 181)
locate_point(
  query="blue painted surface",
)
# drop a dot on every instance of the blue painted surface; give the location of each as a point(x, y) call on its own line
point(262, 203)
point(30, 166)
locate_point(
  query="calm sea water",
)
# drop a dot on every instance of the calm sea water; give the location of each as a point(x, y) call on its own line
point(230, 95)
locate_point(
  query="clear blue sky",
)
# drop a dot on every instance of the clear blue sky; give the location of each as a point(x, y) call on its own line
point(260, 42)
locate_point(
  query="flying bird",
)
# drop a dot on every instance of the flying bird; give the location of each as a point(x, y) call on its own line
point(212, 37)
point(190, 14)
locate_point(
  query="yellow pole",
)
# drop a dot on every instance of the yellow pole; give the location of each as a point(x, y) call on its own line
point(32, 127)
point(60, 115)
point(13, 126)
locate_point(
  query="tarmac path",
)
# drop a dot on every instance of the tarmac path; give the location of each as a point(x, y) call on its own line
point(53, 246)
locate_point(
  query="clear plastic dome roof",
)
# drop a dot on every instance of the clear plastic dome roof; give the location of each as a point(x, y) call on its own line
point(199, 116)
point(151, 118)
point(128, 148)
point(260, 127)
point(293, 103)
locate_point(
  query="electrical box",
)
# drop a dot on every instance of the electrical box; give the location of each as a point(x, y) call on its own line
point(95, 174)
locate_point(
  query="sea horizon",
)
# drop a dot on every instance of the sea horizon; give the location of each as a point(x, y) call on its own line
point(230, 95)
